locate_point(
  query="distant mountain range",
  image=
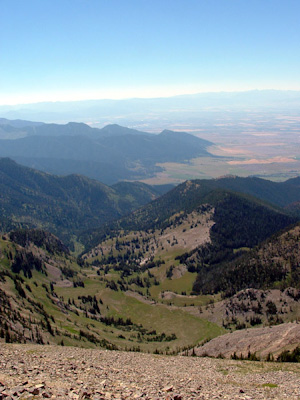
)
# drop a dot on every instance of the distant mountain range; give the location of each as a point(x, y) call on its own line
point(139, 109)
point(110, 154)
point(18, 123)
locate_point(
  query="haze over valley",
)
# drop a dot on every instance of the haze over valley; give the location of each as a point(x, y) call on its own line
point(251, 133)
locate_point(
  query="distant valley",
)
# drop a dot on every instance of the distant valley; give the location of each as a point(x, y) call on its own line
point(254, 133)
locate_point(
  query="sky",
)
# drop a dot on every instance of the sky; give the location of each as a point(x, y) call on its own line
point(61, 50)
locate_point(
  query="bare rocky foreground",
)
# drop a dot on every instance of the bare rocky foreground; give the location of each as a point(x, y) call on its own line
point(36, 372)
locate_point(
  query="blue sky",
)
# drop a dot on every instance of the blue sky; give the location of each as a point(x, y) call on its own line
point(81, 49)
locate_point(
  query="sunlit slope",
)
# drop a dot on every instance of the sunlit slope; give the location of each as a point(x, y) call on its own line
point(47, 297)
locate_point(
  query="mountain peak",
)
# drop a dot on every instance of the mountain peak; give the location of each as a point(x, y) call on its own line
point(227, 176)
point(118, 130)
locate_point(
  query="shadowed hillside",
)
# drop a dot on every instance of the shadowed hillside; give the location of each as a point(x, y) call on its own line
point(109, 155)
point(64, 205)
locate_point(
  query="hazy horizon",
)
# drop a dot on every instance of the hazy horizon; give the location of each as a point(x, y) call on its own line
point(67, 50)
point(163, 96)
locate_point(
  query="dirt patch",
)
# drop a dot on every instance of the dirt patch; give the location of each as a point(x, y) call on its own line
point(139, 297)
point(54, 272)
point(179, 271)
point(261, 341)
point(64, 283)
point(190, 232)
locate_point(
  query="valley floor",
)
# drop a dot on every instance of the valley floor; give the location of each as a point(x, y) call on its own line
point(33, 372)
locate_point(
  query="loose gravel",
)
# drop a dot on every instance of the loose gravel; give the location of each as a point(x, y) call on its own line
point(39, 372)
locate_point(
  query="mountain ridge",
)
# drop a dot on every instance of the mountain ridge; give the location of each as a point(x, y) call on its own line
point(77, 147)
point(63, 204)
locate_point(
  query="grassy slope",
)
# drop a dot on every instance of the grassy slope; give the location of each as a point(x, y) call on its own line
point(168, 235)
point(67, 318)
